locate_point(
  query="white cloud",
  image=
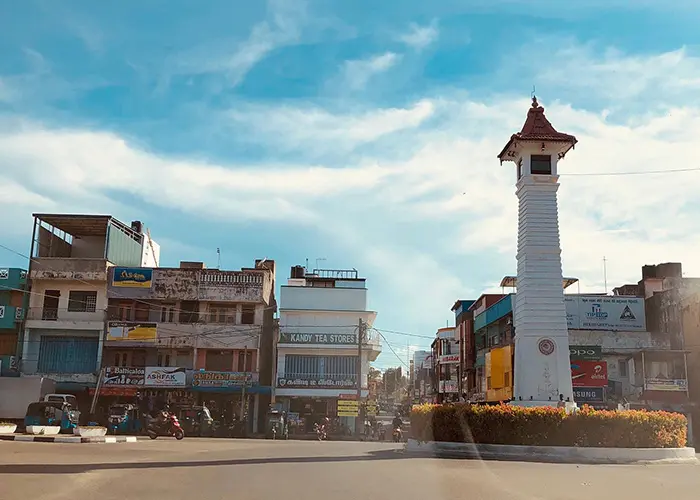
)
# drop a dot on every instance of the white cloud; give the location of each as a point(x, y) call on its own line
point(313, 129)
point(420, 37)
point(357, 73)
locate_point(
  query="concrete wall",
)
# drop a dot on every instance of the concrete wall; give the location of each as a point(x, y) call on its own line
point(69, 269)
point(88, 247)
point(329, 299)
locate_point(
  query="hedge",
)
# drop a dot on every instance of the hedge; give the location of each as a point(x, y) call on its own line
point(546, 426)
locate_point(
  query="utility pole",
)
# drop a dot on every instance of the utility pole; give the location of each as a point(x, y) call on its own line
point(245, 382)
point(605, 274)
point(359, 420)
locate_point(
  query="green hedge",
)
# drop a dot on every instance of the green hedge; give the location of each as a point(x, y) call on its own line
point(545, 426)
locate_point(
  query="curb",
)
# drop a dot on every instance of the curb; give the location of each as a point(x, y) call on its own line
point(552, 454)
point(68, 439)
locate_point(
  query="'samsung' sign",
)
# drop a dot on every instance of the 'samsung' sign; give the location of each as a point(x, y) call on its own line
point(592, 312)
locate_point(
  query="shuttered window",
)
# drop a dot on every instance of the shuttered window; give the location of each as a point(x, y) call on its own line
point(67, 354)
point(298, 366)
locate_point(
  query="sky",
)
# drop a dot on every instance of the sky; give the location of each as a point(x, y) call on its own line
point(363, 133)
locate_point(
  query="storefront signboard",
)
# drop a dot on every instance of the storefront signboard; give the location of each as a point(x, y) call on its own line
point(223, 380)
point(318, 338)
point(132, 277)
point(348, 408)
point(589, 373)
point(319, 383)
point(123, 376)
point(131, 332)
point(660, 384)
point(586, 352)
point(448, 359)
point(165, 376)
point(589, 394)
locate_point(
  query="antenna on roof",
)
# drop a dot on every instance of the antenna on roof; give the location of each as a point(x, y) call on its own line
point(532, 94)
point(218, 258)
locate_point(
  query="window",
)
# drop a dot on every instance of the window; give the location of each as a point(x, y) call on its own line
point(82, 301)
point(222, 314)
point(506, 379)
point(163, 359)
point(311, 367)
point(248, 314)
point(189, 311)
point(219, 361)
point(248, 357)
point(121, 358)
point(488, 383)
point(520, 168)
point(142, 312)
point(167, 313)
point(541, 164)
point(622, 367)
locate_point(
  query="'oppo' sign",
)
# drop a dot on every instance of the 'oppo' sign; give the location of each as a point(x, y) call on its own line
point(592, 352)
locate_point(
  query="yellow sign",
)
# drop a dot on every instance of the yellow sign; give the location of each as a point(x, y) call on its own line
point(132, 277)
point(347, 413)
point(348, 403)
point(132, 332)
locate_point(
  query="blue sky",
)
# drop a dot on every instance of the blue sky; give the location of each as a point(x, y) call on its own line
point(361, 132)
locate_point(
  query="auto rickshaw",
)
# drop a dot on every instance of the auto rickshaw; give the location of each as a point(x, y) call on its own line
point(196, 420)
point(123, 419)
point(277, 425)
point(52, 413)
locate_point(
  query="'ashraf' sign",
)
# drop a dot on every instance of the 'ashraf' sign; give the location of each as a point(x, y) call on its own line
point(318, 338)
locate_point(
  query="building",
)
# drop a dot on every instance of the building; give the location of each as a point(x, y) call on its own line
point(192, 335)
point(447, 373)
point(317, 351)
point(542, 344)
point(476, 387)
point(464, 328)
point(65, 321)
point(13, 302)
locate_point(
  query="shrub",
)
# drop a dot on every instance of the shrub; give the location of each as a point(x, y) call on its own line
point(546, 426)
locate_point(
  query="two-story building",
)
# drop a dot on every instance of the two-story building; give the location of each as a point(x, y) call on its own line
point(13, 302)
point(318, 347)
point(464, 331)
point(65, 321)
point(193, 335)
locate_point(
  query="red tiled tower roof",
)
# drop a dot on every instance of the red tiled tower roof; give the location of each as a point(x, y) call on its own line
point(538, 128)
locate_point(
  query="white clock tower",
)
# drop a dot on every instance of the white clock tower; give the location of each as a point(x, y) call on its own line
point(542, 365)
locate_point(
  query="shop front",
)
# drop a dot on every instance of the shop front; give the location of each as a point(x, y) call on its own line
point(231, 397)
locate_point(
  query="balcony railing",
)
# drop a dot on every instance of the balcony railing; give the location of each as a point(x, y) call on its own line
point(58, 314)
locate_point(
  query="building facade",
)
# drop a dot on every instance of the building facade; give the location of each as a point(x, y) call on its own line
point(447, 371)
point(13, 303)
point(64, 325)
point(464, 330)
point(192, 335)
point(318, 346)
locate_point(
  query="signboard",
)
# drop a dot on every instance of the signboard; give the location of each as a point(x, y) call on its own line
point(2, 312)
point(132, 277)
point(591, 312)
point(586, 352)
point(451, 386)
point(448, 359)
point(115, 390)
point(132, 332)
point(318, 338)
point(348, 408)
point(165, 376)
point(371, 408)
point(123, 375)
point(316, 383)
point(589, 373)
point(4, 274)
point(662, 384)
point(224, 380)
point(589, 394)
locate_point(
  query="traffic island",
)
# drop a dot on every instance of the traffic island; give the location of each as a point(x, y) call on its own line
point(549, 434)
point(69, 439)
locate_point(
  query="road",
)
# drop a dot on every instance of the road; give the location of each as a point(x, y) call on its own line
point(204, 469)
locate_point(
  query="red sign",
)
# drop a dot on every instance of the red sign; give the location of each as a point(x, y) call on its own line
point(589, 373)
point(115, 391)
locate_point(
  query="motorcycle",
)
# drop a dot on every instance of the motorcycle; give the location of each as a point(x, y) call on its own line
point(397, 435)
point(167, 424)
point(321, 432)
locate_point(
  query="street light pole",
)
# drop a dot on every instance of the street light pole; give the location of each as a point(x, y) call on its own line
point(359, 420)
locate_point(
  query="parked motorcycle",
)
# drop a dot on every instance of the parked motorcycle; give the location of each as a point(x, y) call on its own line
point(167, 424)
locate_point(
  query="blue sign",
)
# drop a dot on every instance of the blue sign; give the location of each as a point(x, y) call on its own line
point(589, 394)
point(132, 277)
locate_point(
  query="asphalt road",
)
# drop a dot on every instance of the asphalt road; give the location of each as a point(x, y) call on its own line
point(204, 469)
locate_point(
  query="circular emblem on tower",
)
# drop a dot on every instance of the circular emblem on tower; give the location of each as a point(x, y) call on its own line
point(546, 346)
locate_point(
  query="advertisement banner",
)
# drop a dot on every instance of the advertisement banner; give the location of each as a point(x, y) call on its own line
point(319, 383)
point(586, 352)
point(589, 373)
point(132, 277)
point(448, 359)
point(318, 338)
point(132, 332)
point(662, 384)
point(224, 380)
point(591, 312)
point(589, 394)
point(123, 375)
point(165, 376)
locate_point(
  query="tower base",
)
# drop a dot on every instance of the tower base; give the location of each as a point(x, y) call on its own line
point(568, 406)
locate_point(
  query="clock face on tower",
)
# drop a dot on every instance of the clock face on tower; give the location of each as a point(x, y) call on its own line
point(546, 346)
